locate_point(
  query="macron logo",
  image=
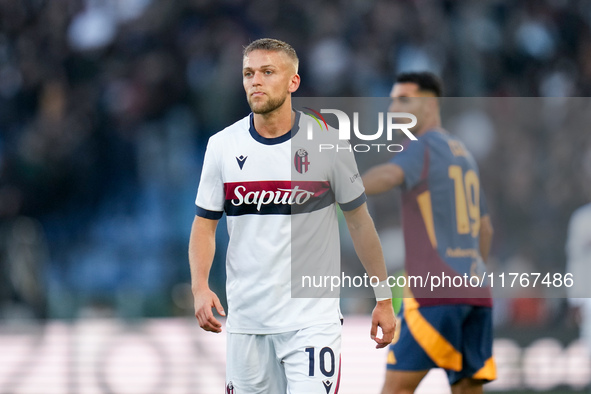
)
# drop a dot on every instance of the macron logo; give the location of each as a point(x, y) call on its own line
point(241, 160)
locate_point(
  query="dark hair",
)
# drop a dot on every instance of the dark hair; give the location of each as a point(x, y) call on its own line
point(271, 44)
point(425, 80)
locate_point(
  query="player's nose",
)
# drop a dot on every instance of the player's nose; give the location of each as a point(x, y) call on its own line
point(396, 105)
point(257, 78)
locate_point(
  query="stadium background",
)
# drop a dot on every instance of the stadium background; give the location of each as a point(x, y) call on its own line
point(105, 109)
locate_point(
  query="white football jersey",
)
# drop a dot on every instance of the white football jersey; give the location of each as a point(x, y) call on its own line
point(279, 196)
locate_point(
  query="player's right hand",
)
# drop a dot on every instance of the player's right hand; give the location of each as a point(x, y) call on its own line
point(383, 316)
point(205, 300)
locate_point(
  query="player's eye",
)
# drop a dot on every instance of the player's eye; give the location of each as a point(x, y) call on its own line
point(268, 72)
point(247, 74)
point(403, 100)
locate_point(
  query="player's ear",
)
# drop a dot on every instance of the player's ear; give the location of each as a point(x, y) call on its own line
point(294, 83)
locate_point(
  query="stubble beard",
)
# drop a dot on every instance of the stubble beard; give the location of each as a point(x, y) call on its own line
point(263, 108)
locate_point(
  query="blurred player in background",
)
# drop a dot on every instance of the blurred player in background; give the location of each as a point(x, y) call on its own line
point(578, 251)
point(277, 343)
point(446, 230)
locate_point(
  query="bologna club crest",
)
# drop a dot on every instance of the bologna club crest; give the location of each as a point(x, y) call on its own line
point(300, 161)
point(230, 388)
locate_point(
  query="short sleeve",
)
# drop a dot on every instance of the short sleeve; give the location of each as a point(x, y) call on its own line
point(411, 160)
point(345, 179)
point(210, 193)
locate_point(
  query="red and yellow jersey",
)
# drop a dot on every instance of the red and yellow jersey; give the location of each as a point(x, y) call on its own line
point(442, 204)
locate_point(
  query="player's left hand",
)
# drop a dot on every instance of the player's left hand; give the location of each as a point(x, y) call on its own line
point(383, 317)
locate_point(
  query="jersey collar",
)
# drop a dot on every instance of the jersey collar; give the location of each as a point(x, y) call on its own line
point(277, 140)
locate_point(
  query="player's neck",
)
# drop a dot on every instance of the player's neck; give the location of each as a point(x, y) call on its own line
point(276, 123)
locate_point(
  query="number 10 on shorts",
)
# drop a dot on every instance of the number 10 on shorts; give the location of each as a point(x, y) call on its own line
point(325, 360)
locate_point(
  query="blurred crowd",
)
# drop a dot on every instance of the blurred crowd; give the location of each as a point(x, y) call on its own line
point(106, 106)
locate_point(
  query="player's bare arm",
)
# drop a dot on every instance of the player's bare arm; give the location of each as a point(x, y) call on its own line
point(367, 245)
point(201, 252)
point(486, 235)
point(382, 178)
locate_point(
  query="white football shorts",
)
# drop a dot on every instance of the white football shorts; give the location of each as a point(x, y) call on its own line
point(306, 361)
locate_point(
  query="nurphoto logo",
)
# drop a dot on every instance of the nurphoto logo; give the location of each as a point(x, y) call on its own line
point(391, 119)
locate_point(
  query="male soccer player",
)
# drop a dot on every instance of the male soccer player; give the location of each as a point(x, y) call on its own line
point(447, 233)
point(279, 196)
